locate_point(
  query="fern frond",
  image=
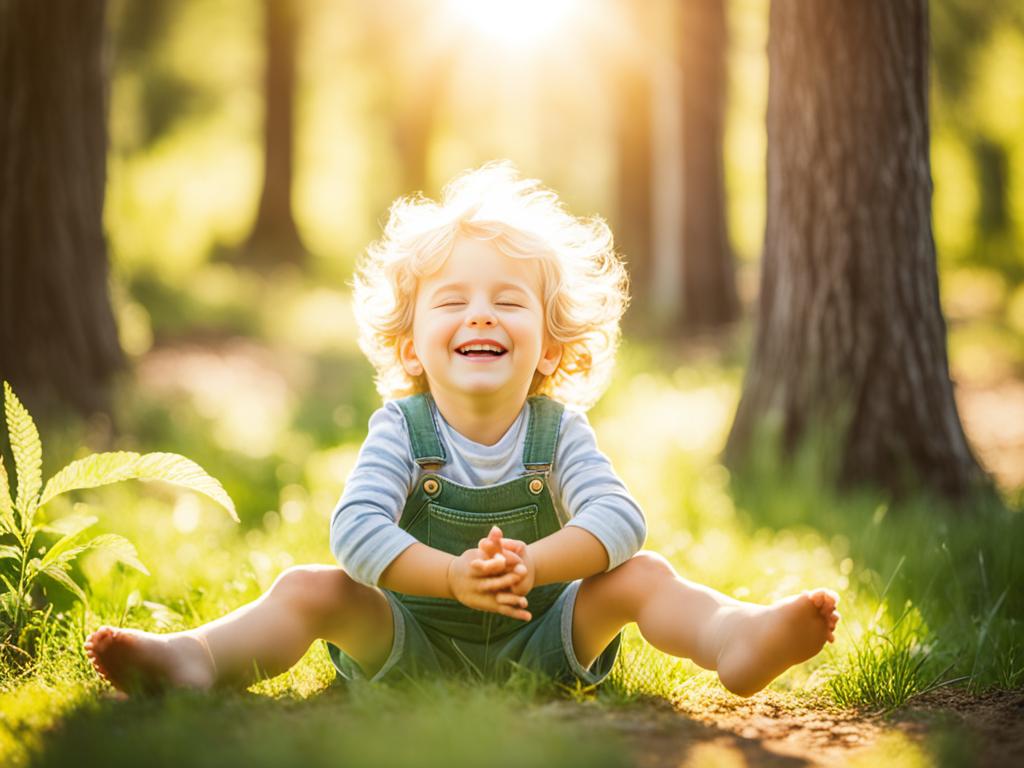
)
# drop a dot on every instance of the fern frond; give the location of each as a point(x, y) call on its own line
point(103, 468)
point(64, 551)
point(58, 574)
point(69, 524)
point(28, 453)
point(121, 549)
point(7, 522)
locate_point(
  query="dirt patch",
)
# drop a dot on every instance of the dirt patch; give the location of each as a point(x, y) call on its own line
point(947, 727)
point(983, 730)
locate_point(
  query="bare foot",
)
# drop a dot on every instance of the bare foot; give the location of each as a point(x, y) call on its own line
point(134, 661)
point(761, 642)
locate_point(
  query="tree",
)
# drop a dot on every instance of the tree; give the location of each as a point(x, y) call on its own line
point(708, 274)
point(631, 92)
point(850, 335)
point(274, 238)
point(58, 339)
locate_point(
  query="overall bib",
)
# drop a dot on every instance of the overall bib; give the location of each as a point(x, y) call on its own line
point(442, 636)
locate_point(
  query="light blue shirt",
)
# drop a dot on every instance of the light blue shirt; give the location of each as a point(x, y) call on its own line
point(365, 537)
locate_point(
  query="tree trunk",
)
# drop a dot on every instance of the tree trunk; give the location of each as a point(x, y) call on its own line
point(633, 115)
point(708, 273)
point(274, 238)
point(58, 339)
point(851, 339)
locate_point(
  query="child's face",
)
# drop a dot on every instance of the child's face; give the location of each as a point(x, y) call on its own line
point(478, 325)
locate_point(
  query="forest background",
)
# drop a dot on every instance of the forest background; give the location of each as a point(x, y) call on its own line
point(244, 153)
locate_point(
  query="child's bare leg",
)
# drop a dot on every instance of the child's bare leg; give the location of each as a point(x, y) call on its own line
point(263, 638)
point(749, 645)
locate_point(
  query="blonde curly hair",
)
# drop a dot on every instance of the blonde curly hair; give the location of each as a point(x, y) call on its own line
point(585, 289)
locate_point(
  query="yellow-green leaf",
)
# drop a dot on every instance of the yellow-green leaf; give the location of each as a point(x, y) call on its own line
point(59, 575)
point(7, 522)
point(69, 524)
point(65, 550)
point(103, 468)
point(122, 550)
point(27, 450)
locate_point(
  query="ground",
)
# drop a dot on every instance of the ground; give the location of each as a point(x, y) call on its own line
point(945, 727)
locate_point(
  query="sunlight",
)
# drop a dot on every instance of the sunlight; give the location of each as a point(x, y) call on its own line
point(514, 23)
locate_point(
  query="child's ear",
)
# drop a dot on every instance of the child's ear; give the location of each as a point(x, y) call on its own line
point(550, 357)
point(410, 362)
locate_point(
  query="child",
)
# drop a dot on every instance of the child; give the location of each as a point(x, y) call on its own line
point(481, 527)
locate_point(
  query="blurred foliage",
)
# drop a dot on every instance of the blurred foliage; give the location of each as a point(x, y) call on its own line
point(258, 377)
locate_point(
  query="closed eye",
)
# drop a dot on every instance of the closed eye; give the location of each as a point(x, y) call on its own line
point(451, 304)
point(509, 304)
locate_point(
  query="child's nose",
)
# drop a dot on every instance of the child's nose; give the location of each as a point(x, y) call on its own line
point(481, 318)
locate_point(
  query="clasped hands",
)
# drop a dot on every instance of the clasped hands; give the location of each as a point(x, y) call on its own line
point(495, 576)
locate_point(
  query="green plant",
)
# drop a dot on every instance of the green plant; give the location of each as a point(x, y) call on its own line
point(19, 524)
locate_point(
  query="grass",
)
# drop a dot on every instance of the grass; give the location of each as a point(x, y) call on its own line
point(927, 593)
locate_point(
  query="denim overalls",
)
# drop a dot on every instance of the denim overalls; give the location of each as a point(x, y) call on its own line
point(442, 636)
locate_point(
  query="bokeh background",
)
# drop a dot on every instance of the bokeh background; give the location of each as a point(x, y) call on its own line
point(254, 149)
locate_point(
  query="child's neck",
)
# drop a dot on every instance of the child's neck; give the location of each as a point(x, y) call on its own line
point(483, 420)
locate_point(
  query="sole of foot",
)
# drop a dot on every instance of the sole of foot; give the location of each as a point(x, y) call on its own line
point(765, 641)
point(142, 662)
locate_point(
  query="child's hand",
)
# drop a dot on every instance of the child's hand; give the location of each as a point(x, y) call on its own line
point(513, 548)
point(484, 591)
point(506, 556)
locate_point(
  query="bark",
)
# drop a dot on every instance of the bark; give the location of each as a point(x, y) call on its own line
point(633, 124)
point(275, 238)
point(850, 335)
point(708, 273)
point(58, 339)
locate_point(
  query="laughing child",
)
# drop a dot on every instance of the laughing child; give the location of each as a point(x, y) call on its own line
point(481, 528)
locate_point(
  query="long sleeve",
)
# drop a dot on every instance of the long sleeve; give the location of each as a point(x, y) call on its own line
point(365, 536)
point(593, 495)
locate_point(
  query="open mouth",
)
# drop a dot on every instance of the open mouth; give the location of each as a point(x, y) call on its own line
point(477, 350)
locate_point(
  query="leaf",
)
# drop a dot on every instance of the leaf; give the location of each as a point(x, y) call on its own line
point(9, 552)
point(122, 550)
point(69, 524)
point(64, 551)
point(28, 453)
point(58, 574)
point(7, 522)
point(103, 468)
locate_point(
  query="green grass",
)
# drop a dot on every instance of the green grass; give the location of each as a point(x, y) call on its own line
point(927, 592)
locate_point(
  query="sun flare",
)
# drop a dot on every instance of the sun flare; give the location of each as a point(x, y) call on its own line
point(514, 23)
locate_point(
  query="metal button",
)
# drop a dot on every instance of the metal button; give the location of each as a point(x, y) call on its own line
point(536, 485)
point(431, 486)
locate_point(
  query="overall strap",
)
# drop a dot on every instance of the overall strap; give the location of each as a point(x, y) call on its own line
point(542, 433)
point(426, 446)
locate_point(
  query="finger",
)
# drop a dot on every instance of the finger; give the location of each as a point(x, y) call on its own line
point(515, 613)
point(489, 547)
point(514, 545)
point(510, 598)
point(491, 567)
point(499, 583)
point(512, 560)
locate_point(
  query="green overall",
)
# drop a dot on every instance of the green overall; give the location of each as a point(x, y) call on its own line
point(442, 636)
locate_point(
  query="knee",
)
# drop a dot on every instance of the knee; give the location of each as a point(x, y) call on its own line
point(631, 584)
point(648, 567)
point(314, 590)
